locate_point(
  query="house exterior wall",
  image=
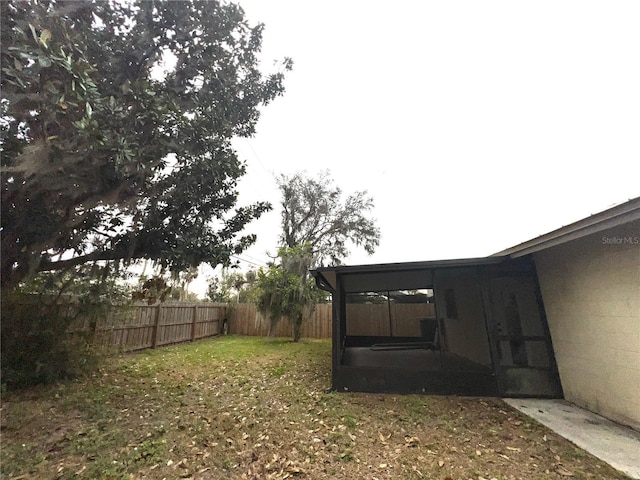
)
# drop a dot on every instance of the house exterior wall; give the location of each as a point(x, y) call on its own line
point(591, 293)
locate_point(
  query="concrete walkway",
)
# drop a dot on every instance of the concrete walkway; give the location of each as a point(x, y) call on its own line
point(617, 445)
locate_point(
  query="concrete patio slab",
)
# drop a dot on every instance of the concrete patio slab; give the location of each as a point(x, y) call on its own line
point(615, 444)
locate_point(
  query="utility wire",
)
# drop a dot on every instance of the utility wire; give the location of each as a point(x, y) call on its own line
point(258, 158)
point(248, 261)
point(252, 258)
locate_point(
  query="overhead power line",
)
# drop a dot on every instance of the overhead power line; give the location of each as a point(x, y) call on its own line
point(248, 261)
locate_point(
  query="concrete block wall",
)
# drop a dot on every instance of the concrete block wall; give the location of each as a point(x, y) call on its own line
point(591, 293)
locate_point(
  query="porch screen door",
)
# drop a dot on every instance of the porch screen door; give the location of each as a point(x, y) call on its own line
point(525, 364)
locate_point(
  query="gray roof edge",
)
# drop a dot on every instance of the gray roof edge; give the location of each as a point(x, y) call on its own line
point(381, 267)
point(618, 215)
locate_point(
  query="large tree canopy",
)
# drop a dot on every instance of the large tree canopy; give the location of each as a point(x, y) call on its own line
point(314, 214)
point(317, 226)
point(115, 121)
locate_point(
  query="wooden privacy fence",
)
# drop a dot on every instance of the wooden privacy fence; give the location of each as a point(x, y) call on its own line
point(381, 319)
point(362, 319)
point(244, 319)
point(140, 326)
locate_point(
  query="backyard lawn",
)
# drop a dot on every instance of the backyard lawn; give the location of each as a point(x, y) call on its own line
point(253, 408)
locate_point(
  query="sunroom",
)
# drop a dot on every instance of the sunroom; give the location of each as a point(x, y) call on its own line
point(467, 327)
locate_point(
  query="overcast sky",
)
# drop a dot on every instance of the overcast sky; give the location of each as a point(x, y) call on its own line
point(473, 125)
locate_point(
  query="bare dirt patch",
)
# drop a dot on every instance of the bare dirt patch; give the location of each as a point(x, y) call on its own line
point(251, 408)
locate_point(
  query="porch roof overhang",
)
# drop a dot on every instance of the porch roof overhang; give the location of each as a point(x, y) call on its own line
point(613, 217)
point(326, 277)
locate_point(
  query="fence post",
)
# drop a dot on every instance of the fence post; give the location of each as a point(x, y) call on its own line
point(194, 323)
point(156, 326)
point(226, 316)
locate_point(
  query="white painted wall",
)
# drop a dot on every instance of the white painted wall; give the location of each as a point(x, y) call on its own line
point(591, 293)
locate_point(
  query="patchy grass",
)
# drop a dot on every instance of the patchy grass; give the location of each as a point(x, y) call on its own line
point(253, 408)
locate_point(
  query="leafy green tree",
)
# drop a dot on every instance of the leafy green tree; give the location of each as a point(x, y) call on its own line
point(248, 292)
point(115, 127)
point(286, 290)
point(314, 213)
point(180, 284)
point(152, 290)
point(227, 287)
point(180, 294)
point(318, 226)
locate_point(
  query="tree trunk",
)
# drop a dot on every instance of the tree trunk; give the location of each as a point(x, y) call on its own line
point(273, 324)
point(297, 329)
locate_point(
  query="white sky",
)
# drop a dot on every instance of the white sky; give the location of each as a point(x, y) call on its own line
point(473, 125)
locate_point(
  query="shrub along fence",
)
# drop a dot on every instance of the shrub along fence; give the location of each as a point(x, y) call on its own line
point(140, 326)
point(244, 319)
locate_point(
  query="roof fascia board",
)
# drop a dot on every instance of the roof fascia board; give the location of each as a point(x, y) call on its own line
point(611, 218)
point(386, 267)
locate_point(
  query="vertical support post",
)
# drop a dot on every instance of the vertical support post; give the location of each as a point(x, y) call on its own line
point(439, 317)
point(338, 312)
point(194, 322)
point(156, 326)
point(389, 312)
